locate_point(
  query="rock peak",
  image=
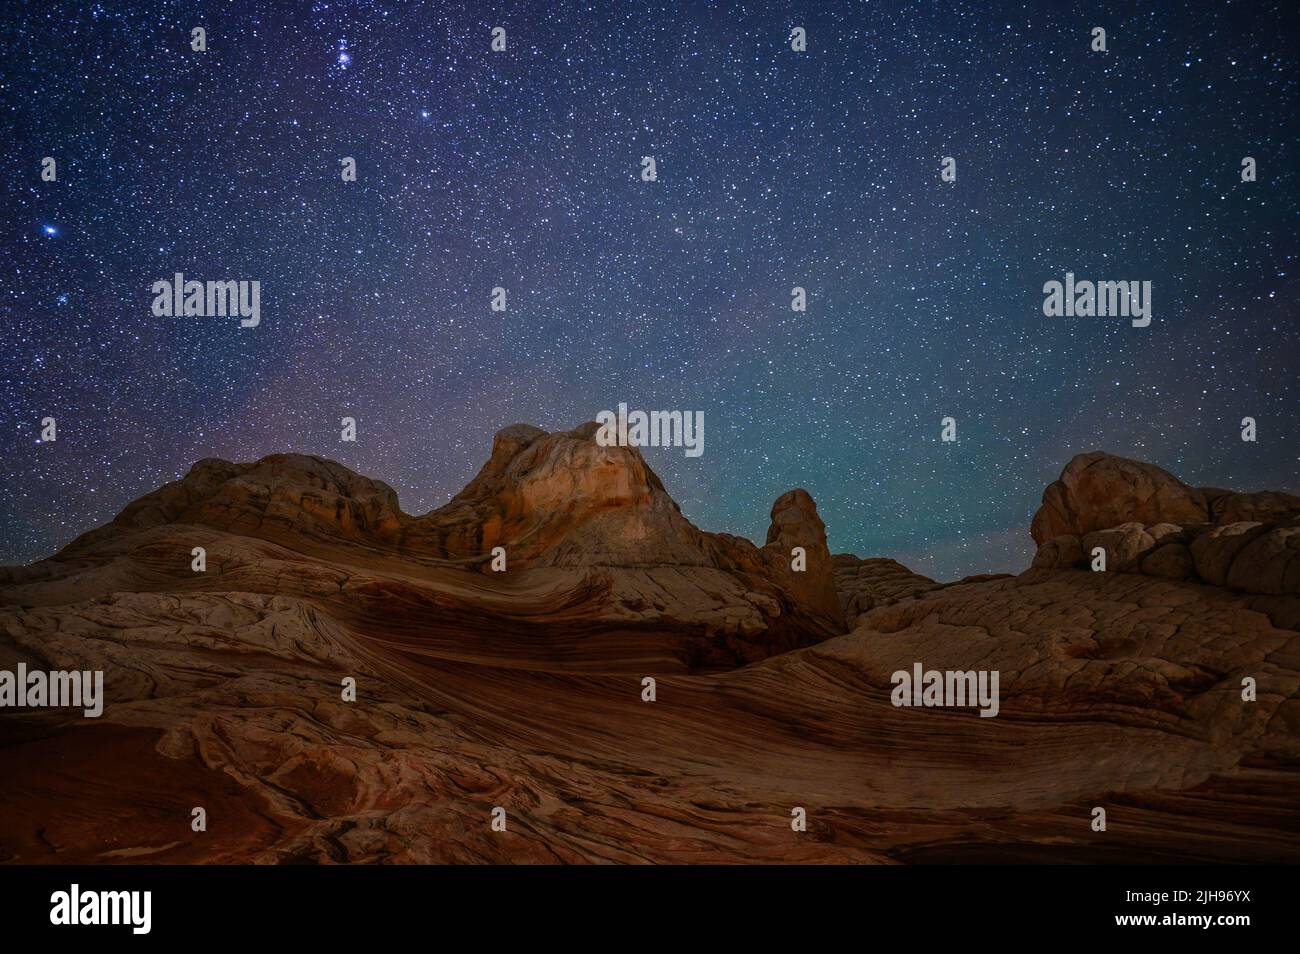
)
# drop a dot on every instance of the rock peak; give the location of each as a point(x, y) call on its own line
point(796, 523)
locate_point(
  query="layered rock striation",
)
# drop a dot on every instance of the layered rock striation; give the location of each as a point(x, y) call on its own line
point(525, 688)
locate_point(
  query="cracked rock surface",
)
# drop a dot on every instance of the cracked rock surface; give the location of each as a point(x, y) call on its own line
point(523, 688)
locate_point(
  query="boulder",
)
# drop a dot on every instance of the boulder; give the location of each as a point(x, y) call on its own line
point(1097, 491)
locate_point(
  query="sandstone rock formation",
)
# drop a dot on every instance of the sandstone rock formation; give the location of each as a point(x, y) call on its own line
point(865, 584)
point(1098, 490)
point(524, 688)
point(1248, 542)
point(592, 522)
point(795, 524)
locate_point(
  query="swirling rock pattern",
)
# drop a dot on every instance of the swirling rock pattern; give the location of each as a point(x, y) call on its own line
point(523, 689)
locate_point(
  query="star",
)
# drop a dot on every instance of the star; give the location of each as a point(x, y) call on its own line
point(776, 169)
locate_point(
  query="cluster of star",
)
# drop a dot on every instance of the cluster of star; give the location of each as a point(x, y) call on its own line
point(519, 167)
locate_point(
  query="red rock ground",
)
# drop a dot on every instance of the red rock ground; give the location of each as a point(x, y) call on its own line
point(522, 689)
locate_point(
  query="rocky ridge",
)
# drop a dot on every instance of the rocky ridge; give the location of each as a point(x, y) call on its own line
point(523, 688)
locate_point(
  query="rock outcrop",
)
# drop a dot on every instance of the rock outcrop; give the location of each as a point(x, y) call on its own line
point(1099, 490)
point(865, 584)
point(631, 688)
point(1147, 521)
point(566, 513)
point(797, 527)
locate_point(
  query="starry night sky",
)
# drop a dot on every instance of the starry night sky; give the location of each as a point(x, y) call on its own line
point(776, 169)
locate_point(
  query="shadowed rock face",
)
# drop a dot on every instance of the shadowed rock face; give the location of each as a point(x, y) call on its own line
point(1248, 542)
point(1098, 490)
point(523, 688)
point(795, 524)
point(572, 516)
point(866, 584)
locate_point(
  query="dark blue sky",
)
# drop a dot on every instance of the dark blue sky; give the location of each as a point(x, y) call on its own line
point(521, 169)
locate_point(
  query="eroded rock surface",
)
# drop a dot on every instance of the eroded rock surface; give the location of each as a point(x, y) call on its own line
point(1247, 542)
point(523, 689)
point(877, 581)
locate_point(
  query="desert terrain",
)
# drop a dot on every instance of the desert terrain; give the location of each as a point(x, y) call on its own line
point(523, 688)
